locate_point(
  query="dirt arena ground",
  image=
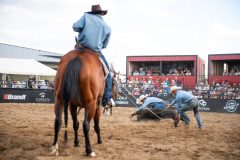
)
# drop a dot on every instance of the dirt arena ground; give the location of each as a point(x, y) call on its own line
point(26, 132)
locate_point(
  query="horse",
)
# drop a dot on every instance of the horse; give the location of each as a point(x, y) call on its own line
point(157, 114)
point(79, 82)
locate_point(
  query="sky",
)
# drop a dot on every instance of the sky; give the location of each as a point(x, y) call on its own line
point(139, 27)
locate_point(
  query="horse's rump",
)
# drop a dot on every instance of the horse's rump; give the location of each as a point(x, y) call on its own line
point(79, 66)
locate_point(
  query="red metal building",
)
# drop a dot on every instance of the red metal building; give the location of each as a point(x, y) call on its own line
point(224, 67)
point(189, 69)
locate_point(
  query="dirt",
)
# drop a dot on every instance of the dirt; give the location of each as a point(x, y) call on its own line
point(26, 132)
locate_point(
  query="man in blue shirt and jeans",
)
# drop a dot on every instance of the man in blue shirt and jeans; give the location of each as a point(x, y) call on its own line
point(152, 102)
point(94, 34)
point(185, 101)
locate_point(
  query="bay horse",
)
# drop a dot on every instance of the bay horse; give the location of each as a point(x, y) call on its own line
point(79, 82)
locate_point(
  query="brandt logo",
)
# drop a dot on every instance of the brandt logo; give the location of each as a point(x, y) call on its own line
point(14, 97)
point(231, 106)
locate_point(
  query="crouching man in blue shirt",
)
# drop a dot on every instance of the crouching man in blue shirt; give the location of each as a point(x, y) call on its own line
point(154, 108)
point(152, 102)
point(185, 101)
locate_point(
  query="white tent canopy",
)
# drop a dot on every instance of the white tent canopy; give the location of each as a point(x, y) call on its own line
point(25, 67)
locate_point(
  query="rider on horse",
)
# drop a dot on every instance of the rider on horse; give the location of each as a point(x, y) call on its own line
point(94, 34)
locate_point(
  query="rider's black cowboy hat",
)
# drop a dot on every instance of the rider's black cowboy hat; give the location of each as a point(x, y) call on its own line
point(96, 9)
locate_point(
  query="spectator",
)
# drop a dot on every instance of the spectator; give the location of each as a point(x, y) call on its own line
point(178, 82)
point(188, 73)
point(237, 72)
point(225, 73)
point(136, 73)
point(231, 72)
point(181, 73)
point(167, 82)
point(173, 83)
point(142, 72)
point(42, 84)
point(130, 83)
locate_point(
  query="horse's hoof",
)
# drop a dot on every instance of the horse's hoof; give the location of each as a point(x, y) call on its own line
point(54, 150)
point(76, 145)
point(107, 112)
point(54, 153)
point(93, 154)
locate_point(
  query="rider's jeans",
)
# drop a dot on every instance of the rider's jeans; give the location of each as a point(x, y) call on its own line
point(108, 84)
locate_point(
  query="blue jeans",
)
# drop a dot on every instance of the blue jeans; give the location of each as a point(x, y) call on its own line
point(108, 83)
point(193, 104)
point(157, 105)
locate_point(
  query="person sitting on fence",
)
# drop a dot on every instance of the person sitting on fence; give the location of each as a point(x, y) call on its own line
point(152, 102)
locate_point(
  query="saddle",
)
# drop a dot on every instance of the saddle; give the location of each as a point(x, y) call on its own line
point(81, 47)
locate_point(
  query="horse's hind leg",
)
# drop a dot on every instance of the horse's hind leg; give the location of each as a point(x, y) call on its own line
point(89, 113)
point(66, 121)
point(96, 124)
point(73, 110)
point(58, 107)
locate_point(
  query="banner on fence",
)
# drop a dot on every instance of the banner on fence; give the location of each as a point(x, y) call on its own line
point(8, 95)
point(205, 105)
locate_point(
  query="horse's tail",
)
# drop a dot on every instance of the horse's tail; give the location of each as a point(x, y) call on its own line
point(70, 85)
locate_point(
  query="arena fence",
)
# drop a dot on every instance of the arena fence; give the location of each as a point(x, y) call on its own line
point(126, 99)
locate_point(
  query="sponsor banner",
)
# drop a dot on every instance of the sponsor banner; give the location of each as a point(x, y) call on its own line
point(124, 101)
point(14, 96)
point(205, 105)
point(8, 95)
point(219, 105)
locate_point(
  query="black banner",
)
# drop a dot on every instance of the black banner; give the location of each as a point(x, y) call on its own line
point(8, 95)
point(205, 105)
point(219, 105)
point(13, 95)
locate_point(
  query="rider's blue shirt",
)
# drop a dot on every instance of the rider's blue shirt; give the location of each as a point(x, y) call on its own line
point(94, 33)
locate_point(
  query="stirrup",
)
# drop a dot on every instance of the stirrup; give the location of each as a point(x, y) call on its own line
point(106, 107)
point(111, 103)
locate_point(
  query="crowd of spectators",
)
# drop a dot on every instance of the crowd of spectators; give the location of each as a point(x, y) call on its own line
point(174, 69)
point(216, 89)
point(146, 85)
point(233, 71)
point(158, 88)
point(149, 86)
point(30, 84)
point(178, 69)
